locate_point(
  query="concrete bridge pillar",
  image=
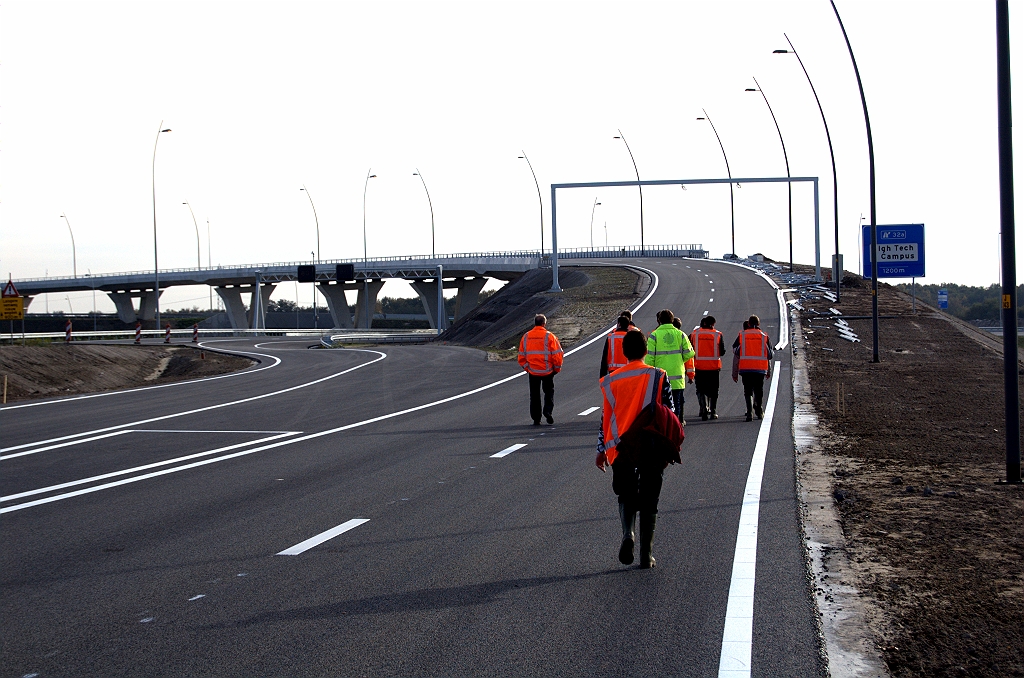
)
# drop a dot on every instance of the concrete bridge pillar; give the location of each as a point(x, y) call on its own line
point(361, 302)
point(469, 295)
point(428, 296)
point(125, 308)
point(147, 305)
point(266, 289)
point(232, 298)
point(338, 304)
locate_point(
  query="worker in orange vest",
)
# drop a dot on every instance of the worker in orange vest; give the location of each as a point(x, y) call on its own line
point(752, 354)
point(540, 355)
point(710, 347)
point(612, 358)
point(636, 479)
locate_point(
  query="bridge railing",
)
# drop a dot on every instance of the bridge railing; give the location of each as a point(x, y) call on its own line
point(563, 253)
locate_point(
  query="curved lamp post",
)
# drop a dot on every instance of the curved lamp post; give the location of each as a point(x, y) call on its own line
point(539, 200)
point(835, 184)
point(732, 202)
point(156, 261)
point(316, 255)
point(199, 260)
point(366, 282)
point(638, 186)
point(785, 155)
point(74, 254)
point(419, 174)
point(871, 192)
point(596, 203)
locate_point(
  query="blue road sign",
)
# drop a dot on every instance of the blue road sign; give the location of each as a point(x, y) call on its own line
point(900, 251)
point(943, 299)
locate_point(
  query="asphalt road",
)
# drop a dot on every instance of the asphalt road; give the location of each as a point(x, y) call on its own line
point(141, 530)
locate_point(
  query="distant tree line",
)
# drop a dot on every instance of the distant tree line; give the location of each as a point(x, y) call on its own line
point(973, 304)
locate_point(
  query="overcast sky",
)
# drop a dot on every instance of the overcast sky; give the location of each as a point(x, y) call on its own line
point(265, 97)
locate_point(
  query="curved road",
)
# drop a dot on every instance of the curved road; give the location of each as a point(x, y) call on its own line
point(342, 513)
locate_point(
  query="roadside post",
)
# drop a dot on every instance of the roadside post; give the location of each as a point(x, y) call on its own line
point(195, 333)
point(67, 332)
point(440, 300)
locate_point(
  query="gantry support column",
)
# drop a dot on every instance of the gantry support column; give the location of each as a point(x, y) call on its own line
point(266, 289)
point(125, 307)
point(361, 301)
point(428, 296)
point(232, 298)
point(469, 295)
point(338, 304)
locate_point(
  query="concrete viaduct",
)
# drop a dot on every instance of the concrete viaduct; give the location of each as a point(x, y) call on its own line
point(467, 273)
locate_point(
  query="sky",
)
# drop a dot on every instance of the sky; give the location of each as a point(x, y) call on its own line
point(264, 98)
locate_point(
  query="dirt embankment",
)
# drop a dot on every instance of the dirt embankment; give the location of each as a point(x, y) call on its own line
point(590, 300)
point(56, 369)
point(918, 441)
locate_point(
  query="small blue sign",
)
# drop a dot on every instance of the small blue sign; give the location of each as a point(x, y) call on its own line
point(943, 299)
point(900, 251)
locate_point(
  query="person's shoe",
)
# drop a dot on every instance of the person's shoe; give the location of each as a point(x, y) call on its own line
point(758, 412)
point(627, 518)
point(550, 419)
point(714, 415)
point(647, 524)
point(748, 417)
point(536, 422)
point(703, 416)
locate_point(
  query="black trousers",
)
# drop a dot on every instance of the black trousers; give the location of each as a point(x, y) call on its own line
point(706, 382)
point(548, 383)
point(638, 486)
point(753, 386)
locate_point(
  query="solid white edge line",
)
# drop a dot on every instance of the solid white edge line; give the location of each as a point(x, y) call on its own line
point(508, 450)
point(587, 411)
point(738, 634)
point(114, 474)
point(241, 373)
point(210, 407)
point(783, 309)
point(65, 444)
point(323, 536)
point(8, 509)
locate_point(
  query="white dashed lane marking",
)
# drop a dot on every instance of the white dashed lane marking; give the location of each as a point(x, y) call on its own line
point(588, 411)
point(508, 450)
point(304, 546)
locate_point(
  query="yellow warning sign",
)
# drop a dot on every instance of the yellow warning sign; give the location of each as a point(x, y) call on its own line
point(12, 308)
point(1006, 301)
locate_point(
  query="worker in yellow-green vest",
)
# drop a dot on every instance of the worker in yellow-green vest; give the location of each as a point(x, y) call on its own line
point(670, 349)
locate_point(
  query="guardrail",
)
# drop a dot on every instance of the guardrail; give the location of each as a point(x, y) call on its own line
point(377, 337)
point(100, 335)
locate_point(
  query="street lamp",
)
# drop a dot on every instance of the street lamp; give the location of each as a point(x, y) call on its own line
point(199, 260)
point(74, 254)
point(417, 173)
point(638, 186)
point(835, 185)
point(156, 262)
point(539, 200)
point(596, 203)
point(871, 192)
point(366, 282)
point(789, 185)
point(316, 256)
point(732, 203)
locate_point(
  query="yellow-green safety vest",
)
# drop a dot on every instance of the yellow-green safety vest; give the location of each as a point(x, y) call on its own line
point(669, 349)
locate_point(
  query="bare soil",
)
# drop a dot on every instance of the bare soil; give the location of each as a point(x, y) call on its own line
point(919, 443)
point(56, 369)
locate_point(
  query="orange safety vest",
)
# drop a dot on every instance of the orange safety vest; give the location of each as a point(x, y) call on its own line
point(613, 351)
point(540, 353)
point(705, 343)
point(753, 351)
point(626, 393)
